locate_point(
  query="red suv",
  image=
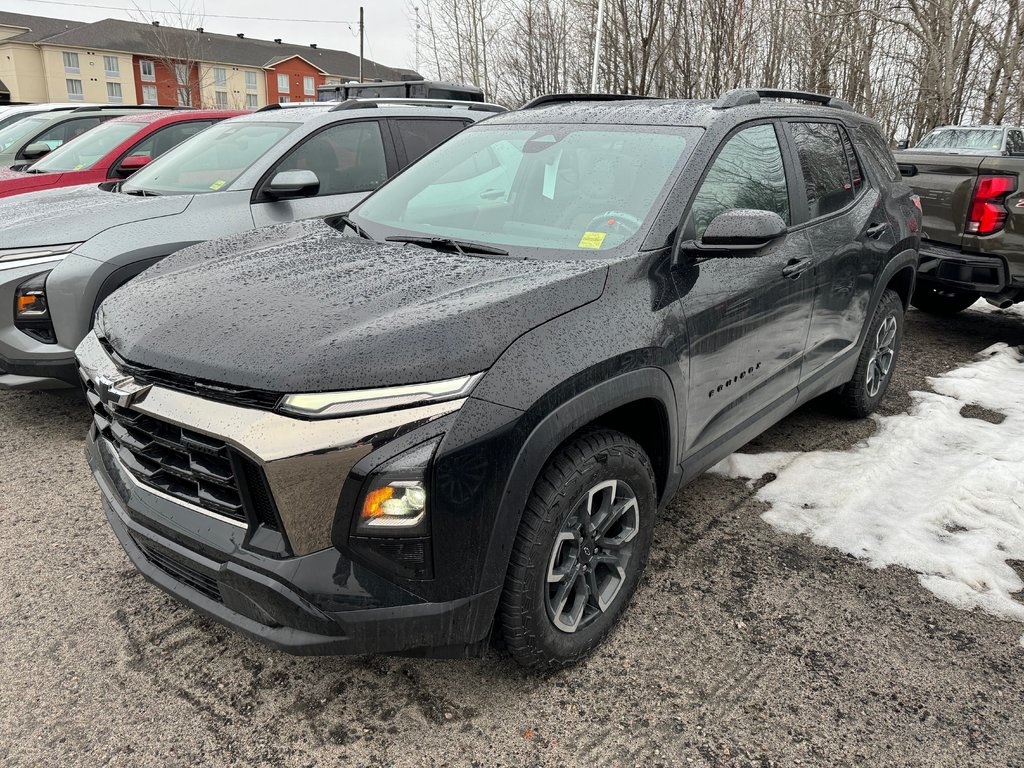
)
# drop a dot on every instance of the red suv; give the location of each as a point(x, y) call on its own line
point(111, 151)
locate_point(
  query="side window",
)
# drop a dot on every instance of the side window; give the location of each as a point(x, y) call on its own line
point(167, 138)
point(879, 150)
point(851, 158)
point(748, 173)
point(826, 169)
point(66, 131)
point(348, 157)
point(1015, 143)
point(421, 136)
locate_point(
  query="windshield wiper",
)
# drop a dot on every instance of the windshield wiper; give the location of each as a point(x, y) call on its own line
point(462, 247)
point(342, 218)
point(140, 192)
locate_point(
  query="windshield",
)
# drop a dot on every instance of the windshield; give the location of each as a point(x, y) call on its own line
point(88, 148)
point(15, 132)
point(558, 191)
point(11, 116)
point(983, 139)
point(210, 160)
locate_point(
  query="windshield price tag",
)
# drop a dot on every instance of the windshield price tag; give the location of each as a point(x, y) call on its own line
point(593, 240)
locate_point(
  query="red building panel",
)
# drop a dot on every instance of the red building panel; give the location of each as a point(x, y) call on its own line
point(165, 82)
point(296, 69)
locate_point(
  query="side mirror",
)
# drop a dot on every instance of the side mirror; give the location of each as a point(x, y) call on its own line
point(903, 144)
point(35, 151)
point(737, 233)
point(292, 184)
point(131, 164)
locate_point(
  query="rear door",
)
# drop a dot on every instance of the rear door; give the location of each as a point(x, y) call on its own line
point(746, 317)
point(351, 159)
point(845, 219)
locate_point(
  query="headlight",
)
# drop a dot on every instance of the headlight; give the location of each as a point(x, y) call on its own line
point(328, 405)
point(39, 252)
point(395, 502)
point(31, 310)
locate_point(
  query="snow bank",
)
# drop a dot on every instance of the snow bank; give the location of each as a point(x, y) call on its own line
point(983, 306)
point(931, 490)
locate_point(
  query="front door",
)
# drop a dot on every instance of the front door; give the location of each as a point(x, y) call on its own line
point(746, 317)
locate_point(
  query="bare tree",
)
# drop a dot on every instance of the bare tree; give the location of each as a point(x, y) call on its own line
point(180, 49)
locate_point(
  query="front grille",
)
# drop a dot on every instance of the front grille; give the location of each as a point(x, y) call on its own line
point(181, 572)
point(225, 393)
point(184, 464)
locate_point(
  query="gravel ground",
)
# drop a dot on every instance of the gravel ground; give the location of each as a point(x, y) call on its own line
point(743, 646)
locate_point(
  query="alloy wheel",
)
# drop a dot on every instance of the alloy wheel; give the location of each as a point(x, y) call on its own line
point(590, 556)
point(882, 356)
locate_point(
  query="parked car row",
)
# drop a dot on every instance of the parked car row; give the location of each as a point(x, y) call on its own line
point(386, 376)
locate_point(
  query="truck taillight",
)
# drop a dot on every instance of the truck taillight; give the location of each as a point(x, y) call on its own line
point(988, 211)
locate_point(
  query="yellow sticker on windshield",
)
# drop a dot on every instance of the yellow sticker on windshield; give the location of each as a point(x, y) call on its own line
point(592, 240)
point(78, 167)
point(217, 185)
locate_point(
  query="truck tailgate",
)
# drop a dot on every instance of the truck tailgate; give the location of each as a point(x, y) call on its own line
point(945, 183)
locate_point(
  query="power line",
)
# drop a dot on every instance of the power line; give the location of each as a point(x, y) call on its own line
point(204, 15)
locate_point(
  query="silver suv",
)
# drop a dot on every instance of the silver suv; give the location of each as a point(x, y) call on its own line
point(63, 251)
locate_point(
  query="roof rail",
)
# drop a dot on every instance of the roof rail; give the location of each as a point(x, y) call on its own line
point(142, 107)
point(741, 96)
point(371, 103)
point(567, 98)
point(295, 105)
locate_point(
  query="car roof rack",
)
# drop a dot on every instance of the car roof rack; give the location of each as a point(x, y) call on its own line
point(569, 98)
point(739, 97)
point(295, 105)
point(141, 107)
point(372, 103)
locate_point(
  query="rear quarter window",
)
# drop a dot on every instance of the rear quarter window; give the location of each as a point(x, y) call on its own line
point(878, 151)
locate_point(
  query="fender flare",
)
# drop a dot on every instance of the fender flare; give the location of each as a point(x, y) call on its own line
point(900, 262)
point(554, 428)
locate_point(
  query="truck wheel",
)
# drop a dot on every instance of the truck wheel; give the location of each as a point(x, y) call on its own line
point(580, 551)
point(861, 395)
point(942, 301)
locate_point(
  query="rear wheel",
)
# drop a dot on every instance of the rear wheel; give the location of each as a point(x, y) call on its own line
point(580, 551)
point(942, 301)
point(861, 395)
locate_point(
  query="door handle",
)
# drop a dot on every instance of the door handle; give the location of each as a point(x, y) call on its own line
point(795, 267)
point(875, 231)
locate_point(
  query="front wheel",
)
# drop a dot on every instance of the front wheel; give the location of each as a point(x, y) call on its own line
point(580, 551)
point(942, 301)
point(861, 395)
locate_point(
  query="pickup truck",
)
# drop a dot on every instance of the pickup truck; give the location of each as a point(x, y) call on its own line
point(972, 200)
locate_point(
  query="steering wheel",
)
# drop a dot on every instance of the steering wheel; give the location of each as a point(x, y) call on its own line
point(612, 220)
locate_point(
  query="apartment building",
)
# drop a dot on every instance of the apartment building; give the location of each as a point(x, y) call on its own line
point(124, 62)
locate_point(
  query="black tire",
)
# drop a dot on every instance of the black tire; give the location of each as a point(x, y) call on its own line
point(942, 301)
point(861, 395)
point(560, 496)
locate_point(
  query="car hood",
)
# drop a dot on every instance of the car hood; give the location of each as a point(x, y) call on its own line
point(301, 308)
point(75, 214)
point(16, 182)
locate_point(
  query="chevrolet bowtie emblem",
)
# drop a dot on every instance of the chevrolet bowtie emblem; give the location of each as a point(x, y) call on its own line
point(122, 392)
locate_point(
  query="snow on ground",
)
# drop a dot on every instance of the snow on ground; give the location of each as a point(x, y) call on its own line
point(933, 491)
point(983, 306)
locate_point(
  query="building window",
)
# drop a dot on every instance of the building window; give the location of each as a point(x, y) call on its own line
point(310, 101)
point(252, 101)
point(222, 99)
point(114, 93)
point(149, 95)
point(74, 90)
point(220, 77)
point(148, 71)
point(71, 63)
point(282, 83)
point(283, 99)
point(250, 81)
point(309, 86)
point(111, 66)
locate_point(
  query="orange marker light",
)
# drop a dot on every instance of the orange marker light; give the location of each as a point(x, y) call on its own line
point(27, 303)
point(373, 506)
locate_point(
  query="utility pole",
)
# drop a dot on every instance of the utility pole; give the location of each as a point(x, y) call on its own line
point(597, 45)
point(417, 66)
point(361, 35)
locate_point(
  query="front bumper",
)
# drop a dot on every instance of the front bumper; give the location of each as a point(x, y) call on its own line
point(952, 268)
point(26, 363)
point(307, 597)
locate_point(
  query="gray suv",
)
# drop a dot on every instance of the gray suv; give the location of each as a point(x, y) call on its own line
point(63, 251)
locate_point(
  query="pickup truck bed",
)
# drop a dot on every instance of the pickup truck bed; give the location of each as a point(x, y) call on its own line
point(958, 264)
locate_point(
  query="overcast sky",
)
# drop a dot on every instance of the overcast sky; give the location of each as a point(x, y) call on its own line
point(389, 32)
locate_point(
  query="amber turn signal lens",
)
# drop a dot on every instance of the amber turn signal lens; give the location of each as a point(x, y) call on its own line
point(373, 504)
point(29, 303)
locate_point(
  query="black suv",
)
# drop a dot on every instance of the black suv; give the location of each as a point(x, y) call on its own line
point(455, 412)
